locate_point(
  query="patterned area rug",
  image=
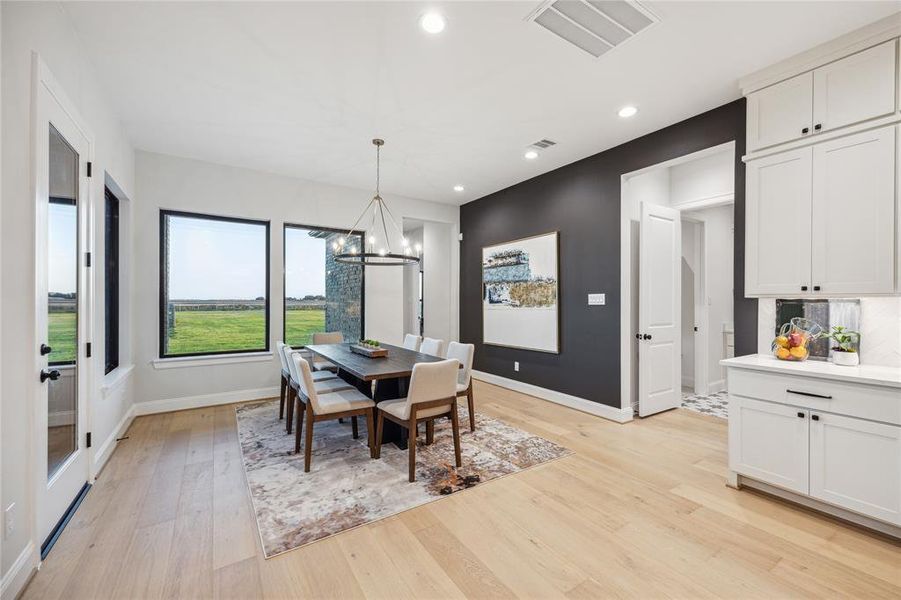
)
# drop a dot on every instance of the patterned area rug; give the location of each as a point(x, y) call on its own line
point(345, 488)
point(715, 404)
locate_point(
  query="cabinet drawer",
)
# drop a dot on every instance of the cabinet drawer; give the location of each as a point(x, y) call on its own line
point(854, 400)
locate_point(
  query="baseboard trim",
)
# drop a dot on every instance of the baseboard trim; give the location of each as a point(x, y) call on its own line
point(620, 415)
point(153, 407)
point(715, 387)
point(109, 444)
point(19, 574)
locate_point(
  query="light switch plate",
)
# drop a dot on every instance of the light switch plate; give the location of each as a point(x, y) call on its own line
point(597, 299)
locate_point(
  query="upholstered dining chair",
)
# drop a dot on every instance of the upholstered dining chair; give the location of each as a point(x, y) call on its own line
point(464, 353)
point(326, 337)
point(325, 382)
point(412, 342)
point(283, 351)
point(324, 407)
point(432, 394)
point(432, 346)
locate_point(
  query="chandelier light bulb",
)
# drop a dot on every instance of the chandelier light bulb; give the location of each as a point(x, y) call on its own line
point(418, 248)
point(334, 245)
point(353, 250)
point(381, 252)
point(407, 251)
point(406, 242)
point(341, 241)
point(371, 239)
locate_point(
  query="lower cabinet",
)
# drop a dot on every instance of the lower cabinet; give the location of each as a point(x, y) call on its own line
point(856, 464)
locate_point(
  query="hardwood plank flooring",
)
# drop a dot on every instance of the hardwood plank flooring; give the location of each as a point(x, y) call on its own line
point(639, 511)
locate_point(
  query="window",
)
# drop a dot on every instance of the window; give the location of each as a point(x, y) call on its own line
point(320, 293)
point(111, 286)
point(214, 285)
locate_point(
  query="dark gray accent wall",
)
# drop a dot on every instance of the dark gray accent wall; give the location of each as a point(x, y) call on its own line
point(582, 201)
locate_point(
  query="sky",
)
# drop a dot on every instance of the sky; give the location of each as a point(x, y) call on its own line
point(304, 264)
point(63, 235)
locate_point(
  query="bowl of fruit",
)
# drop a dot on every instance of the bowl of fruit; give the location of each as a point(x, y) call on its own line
point(794, 338)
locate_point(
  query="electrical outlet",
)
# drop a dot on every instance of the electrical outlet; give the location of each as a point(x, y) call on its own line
point(516, 365)
point(9, 520)
point(597, 299)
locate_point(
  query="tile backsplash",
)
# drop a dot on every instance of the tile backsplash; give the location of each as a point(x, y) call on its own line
point(880, 329)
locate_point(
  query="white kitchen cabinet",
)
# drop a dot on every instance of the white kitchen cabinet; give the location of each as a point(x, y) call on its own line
point(856, 464)
point(768, 441)
point(780, 113)
point(854, 89)
point(854, 214)
point(778, 224)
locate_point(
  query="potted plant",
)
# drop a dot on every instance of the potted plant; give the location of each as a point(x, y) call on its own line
point(844, 351)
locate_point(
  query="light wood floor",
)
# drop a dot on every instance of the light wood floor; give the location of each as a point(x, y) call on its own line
point(640, 510)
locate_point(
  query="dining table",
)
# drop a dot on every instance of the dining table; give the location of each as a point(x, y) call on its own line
point(380, 378)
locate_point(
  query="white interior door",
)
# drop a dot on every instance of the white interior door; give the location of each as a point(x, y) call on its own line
point(659, 307)
point(62, 206)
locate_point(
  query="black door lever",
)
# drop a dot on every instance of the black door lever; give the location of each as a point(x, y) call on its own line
point(52, 375)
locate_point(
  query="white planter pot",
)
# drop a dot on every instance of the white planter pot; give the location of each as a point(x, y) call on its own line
point(846, 359)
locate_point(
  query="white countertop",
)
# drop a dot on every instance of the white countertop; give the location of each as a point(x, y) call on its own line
point(884, 376)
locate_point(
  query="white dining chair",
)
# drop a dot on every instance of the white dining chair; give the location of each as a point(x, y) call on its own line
point(464, 353)
point(326, 337)
point(285, 378)
point(432, 394)
point(432, 346)
point(325, 382)
point(321, 407)
point(412, 342)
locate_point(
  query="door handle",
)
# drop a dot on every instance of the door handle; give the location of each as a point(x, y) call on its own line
point(637, 336)
point(45, 349)
point(647, 336)
point(52, 375)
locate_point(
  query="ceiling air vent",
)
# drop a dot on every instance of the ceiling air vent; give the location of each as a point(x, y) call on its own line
point(595, 26)
point(542, 144)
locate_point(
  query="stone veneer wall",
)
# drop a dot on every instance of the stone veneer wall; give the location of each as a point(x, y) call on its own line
point(343, 291)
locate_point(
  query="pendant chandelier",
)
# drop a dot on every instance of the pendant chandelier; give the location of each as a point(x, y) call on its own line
point(376, 249)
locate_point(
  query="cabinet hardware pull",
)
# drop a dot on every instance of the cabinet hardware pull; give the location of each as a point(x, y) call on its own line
point(815, 417)
point(805, 131)
point(812, 395)
point(818, 126)
point(803, 288)
point(800, 415)
point(816, 288)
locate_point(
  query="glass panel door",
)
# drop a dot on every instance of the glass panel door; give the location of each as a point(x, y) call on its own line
point(62, 303)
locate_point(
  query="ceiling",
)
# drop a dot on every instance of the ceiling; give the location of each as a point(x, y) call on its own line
point(301, 88)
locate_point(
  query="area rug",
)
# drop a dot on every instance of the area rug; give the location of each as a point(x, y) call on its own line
point(716, 405)
point(345, 488)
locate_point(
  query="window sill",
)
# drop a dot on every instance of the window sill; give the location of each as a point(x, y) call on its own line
point(207, 361)
point(115, 378)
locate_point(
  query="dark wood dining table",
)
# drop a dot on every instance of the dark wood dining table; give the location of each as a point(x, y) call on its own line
point(383, 378)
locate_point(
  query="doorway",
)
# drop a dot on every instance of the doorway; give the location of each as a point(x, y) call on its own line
point(677, 277)
point(62, 312)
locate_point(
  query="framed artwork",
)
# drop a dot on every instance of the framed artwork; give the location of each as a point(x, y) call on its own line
point(520, 294)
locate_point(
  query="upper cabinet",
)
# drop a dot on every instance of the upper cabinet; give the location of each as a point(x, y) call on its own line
point(851, 90)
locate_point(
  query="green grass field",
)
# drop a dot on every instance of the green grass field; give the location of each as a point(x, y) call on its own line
point(61, 335)
point(300, 325)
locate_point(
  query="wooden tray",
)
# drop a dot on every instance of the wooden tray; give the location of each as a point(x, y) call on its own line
point(369, 352)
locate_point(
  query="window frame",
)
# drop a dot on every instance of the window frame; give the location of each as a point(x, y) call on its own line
point(111, 288)
point(163, 280)
point(285, 226)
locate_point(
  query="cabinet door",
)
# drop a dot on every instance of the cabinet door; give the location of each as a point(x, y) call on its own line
point(768, 442)
point(854, 89)
point(781, 112)
point(854, 213)
point(777, 243)
point(856, 464)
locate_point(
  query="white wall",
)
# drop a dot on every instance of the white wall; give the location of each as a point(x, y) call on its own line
point(411, 285)
point(437, 244)
point(702, 180)
point(190, 185)
point(43, 28)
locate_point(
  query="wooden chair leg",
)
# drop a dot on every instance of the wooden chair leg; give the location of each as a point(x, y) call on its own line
point(353, 427)
point(370, 434)
point(429, 432)
point(292, 396)
point(472, 409)
point(378, 434)
point(308, 441)
point(301, 409)
point(455, 426)
point(281, 398)
point(411, 448)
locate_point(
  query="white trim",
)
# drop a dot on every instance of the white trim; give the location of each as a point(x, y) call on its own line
point(105, 450)
point(707, 202)
point(851, 43)
point(620, 415)
point(160, 406)
point(205, 361)
point(19, 574)
point(60, 418)
point(115, 379)
point(714, 387)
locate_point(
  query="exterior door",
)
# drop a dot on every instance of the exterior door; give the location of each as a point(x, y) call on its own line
point(62, 202)
point(659, 308)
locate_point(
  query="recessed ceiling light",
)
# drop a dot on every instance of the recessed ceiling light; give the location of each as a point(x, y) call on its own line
point(531, 154)
point(627, 111)
point(459, 188)
point(432, 22)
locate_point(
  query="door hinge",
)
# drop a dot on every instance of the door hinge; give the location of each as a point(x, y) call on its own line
point(87, 259)
point(90, 168)
point(460, 237)
point(88, 349)
point(88, 439)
